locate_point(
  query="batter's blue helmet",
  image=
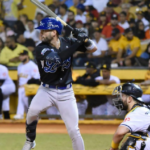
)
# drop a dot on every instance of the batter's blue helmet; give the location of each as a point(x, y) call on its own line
point(50, 24)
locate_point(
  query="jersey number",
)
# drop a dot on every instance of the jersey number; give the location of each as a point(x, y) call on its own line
point(52, 67)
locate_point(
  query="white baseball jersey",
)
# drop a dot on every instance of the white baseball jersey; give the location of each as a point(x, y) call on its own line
point(4, 75)
point(8, 87)
point(27, 71)
point(116, 79)
point(137, 120)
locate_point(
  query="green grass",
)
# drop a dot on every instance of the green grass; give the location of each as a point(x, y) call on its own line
point(54, 141)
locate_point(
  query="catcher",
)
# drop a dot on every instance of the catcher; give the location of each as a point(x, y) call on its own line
point(136, 122)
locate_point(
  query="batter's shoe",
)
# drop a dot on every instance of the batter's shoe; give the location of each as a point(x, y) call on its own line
point(29, 145)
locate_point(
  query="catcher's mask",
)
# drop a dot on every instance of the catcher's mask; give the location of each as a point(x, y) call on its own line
point(117, 98)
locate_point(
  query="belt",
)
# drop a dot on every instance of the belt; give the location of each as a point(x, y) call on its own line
point(57, 86)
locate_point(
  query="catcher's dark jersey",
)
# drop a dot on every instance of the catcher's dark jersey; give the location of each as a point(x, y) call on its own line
point(55, 73)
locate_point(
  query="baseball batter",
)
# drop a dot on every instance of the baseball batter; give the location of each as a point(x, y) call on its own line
point(7, 87)
point(54, 57)
point(137, 120)
point(26, 70)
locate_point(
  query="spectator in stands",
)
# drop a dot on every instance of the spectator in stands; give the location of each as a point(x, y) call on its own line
point(117, 2)
point(26, 71)
point(74, 7)
point(2, 14)
point(38, 18)
point(89, 18)
point(7, 87)
point(123, 22)
point(125, 7)
point(140, 33)
point(147, 13)
point(145, 56)
point(107, 30)
point(11, 10)
point(146, 97)
point(71, 22)
point(32, 33)
point(101, 45)
point(1, 44)
point(129, 49)
point(106, 108)
point(24, 19)
point(94, 24)
point(103, 19)
point(88, 79)
point(2, 31)
point(38, 10)
point(79, 25)
point(29, 43)
point(110, 11)
point(140, 17)
point(63, 12)
point(90, 9)
point(19, 27)
point(69, 3)
point(138, 3)
point(56, 3)
point(10, 33)
point(52, 7)
point(100, 5)
point(80, 13)
point(114, 43)
point(147, 34)
point(132, 25)
point(10, 53)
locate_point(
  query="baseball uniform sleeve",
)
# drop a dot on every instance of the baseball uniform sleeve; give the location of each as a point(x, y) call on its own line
point(45, 53)
point(3, 73)
point(133, 122)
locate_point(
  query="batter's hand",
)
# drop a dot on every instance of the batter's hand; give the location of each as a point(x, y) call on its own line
point(77, 31)
point(82, 37)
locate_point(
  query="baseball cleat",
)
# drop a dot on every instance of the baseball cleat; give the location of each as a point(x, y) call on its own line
point(17, 117)
point(29, 145)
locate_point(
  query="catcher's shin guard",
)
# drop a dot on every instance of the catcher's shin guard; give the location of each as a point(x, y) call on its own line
point(131, 141)
point(31, 131)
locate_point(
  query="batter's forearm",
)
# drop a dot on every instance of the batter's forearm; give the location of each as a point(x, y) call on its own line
point(69, 51)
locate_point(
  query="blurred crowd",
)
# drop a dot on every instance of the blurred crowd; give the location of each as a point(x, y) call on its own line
point(118, 35)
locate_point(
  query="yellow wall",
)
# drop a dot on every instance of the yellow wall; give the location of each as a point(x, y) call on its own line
point(30, 8)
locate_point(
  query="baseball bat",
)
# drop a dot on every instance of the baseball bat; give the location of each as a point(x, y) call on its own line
point(50, 13)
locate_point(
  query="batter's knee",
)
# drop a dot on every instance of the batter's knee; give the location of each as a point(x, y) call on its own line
point(74, 133)
point(32, 115)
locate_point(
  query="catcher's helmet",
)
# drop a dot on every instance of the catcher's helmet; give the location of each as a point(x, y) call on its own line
point(133, 90)
point(50, 23)
point(130, 89)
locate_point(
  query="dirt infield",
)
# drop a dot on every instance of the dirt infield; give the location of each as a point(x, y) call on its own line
point(58, 128)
